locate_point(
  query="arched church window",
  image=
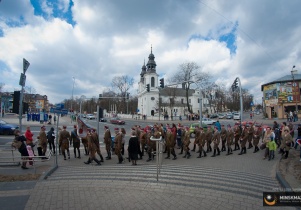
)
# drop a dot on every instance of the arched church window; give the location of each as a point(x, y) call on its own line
point(153, 82)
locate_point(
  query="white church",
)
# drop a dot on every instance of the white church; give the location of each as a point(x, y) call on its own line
point(172, 100)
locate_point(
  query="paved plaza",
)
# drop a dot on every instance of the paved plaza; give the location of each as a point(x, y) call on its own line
point(222, 182)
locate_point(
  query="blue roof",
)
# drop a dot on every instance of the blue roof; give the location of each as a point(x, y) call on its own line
point(286, 78)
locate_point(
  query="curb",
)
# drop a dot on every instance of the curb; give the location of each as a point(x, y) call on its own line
point(48, 173)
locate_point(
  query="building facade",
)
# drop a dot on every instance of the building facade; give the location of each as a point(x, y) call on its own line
point(282, 96)
point(170, 101)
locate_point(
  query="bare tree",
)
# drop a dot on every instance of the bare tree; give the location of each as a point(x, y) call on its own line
point(189, 73)
point(123, 84)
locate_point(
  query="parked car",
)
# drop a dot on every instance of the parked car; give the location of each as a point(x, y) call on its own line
point(6, 128)
point(221, 116)
point(208, 121)
point(236, 116)
point(229, 116)
point(214, 116)
point(192, 128)
point(90, 116)
point(117, 120)
point(102, 120)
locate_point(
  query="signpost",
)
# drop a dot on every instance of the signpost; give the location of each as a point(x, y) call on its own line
point(22, 84)
point(59, 110)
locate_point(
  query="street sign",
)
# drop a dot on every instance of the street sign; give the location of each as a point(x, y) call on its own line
point(251, 104)
point(58, 111)
point(22, 80)
point(25, 65)
point(59, 106)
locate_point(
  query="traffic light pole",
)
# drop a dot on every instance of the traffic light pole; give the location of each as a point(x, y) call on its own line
point(22, 83)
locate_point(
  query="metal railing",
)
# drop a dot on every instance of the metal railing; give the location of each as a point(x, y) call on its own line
point(17, 159)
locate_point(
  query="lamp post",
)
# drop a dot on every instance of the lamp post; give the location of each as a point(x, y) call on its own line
point(72, 92)
point(294, 87)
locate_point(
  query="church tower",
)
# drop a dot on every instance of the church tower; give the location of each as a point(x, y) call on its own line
point(148, 101)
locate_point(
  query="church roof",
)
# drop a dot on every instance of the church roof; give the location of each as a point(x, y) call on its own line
point(178, 92)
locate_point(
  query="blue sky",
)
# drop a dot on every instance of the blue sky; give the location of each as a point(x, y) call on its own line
point(94, 41)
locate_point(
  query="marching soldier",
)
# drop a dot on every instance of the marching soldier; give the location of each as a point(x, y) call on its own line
point(237, 133)
point(107, 140)
point(208, 137)
point(183, 131)
point(94, 136)
point(64, 141)
point(243, 139)
point(256, 137)
point(142, 141)
point(186, 143)
point(197, 137)
point(75, 141)
point(201, 143)
point(92, 147)
point(85, 143)
point(250, 137)
point(230, 135)
point(286, 142)
point(170, 144)
point(42, 142)
point(223, 134)
point(118, 145)
point(152, 144)
point(216, 140)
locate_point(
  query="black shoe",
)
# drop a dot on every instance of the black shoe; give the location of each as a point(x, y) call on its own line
point(149, 159)
point(199, 156)
point(188, 156)
point(87, 163)
point(167, 157)
point(175, 157)
point(184, 156)
point(24, 167)
point(78, 157)
point(108, 158)
point(180, 153)
point(228, 153)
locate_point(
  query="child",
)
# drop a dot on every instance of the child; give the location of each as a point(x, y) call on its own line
point(30, 153)
point(272, 148)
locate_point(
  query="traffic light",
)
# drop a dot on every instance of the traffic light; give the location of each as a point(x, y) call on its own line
point(127, 96)
point(236, 83)
point(147, 88)
point(162, 83)
point(100, 96)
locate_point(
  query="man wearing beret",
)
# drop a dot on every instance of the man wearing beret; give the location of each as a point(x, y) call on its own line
point(118, 145)
point(64, 139)
point(230, 135)
point(223, 134)
point(216, 140)
point(107, 141)
point(243, 139)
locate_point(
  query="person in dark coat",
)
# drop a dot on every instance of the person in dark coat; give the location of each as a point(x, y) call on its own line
point(133, 148)
point(19, 143)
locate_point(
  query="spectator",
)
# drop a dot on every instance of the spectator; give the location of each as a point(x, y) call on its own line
point(19, 144)
point(28, 135)
point(50, 138)
point(218, 125)
point(286, 142)
point(133, 148)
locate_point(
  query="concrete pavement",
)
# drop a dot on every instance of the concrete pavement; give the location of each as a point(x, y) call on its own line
point(223, 182)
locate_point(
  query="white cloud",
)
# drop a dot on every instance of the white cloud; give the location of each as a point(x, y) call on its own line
point(114, 37)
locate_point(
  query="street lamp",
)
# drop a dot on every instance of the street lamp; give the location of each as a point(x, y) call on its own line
point(294, 87)
point(72, 92)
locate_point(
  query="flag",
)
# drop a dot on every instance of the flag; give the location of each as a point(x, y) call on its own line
point(298, 141)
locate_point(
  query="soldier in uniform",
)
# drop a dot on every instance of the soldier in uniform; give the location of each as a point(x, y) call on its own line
point(286, 142)
point(230, 135)
point(201, 143)
point(250, 137)
point(85, 143)
point(170, 144)
point(152, 144)
point(42, 142)
point(243, 139)
point(75, 141)
point(186, 143)
point(208, 137)
point(237, 133)
point(118, 145)
point(197, 136)
point(223, 134)
point(256, 137)
point(107, 141)
point(183, 131)
point(92, 147)
point(216, 140)
point(142, 141)
point(94, 136)
point(64, 139)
